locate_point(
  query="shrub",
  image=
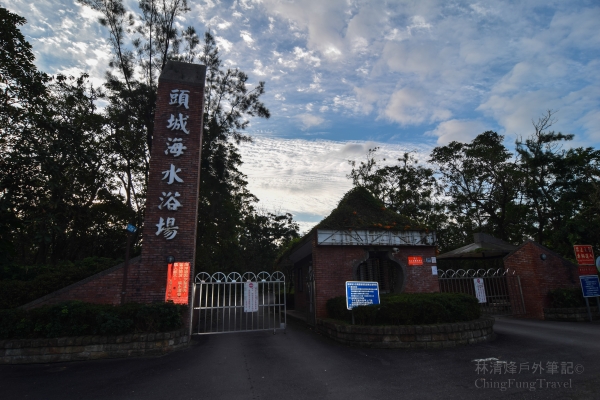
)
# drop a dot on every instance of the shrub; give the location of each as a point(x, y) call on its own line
point(409, 309)
point(76, 318)
point(566, 298)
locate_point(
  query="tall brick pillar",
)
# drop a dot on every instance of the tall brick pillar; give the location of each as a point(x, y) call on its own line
point(172, 199)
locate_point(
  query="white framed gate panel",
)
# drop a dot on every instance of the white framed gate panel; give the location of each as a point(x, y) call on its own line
point(238, 302)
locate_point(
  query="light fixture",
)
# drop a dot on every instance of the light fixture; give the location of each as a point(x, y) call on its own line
point(170, 259)
point(543, 256)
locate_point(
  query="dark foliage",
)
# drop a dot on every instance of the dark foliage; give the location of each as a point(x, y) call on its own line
point(77, 318)
point(409, 309)
point(566, 298)
point(19, 285)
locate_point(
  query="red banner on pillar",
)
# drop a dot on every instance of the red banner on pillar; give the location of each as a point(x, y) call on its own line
point(178, 282)
point(584, 254)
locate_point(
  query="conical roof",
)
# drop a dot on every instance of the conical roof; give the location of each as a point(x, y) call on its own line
point(359, 209)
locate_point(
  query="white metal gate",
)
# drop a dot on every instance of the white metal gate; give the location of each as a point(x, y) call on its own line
point(238, 303)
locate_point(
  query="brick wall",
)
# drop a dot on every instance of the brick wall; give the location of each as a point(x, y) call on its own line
point(333, 266)
point(539, 276)
point(146, 283)
point(104, 288)
point(419, 278)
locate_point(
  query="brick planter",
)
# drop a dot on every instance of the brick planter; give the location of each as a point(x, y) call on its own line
point(410, 336)
point(28, 351)
point(570, 314)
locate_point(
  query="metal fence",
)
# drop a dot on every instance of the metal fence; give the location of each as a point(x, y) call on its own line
point(503, 292)
point(238, 303)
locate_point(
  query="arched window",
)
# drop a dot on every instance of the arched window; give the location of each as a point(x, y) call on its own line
point(379, 268)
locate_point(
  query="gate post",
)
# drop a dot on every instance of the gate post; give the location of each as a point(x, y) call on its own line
point(173, 184)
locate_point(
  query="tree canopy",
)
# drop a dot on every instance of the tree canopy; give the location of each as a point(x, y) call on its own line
point(541, 191)
point(73, 176)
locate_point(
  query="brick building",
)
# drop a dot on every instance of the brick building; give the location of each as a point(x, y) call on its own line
point(538, 268)
point(360, 241)
point(540, 271)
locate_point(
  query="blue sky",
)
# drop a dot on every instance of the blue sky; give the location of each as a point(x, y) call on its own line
point(344, 76)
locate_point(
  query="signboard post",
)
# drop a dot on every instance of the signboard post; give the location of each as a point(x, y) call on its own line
point(587, 275)
point(361, 294)
point(480, 290)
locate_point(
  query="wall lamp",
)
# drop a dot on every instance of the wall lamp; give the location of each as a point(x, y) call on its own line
point(543, 257)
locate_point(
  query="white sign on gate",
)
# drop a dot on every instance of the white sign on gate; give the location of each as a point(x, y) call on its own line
point(480, 290)
point(250, 296)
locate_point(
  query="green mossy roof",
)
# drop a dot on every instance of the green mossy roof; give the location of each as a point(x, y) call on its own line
point(359, 209)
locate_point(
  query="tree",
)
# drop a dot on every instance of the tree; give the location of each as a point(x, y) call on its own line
point(228, 222)
point(483, 184)
point(406, 188)
point(22, 85)
point(559, 186)
point(53, 164)
point(144, 44)
point(22, 88)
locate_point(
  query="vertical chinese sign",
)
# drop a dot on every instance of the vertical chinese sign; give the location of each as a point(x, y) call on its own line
point(173, 184)
point(178, 277)
point(585, 258)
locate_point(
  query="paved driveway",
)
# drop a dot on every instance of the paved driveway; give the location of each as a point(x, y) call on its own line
point(303, 365)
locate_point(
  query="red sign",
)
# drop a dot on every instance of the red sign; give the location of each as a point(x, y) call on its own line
point(178, 279)
point(587, 270)
point(415, 260)
point(584, 254)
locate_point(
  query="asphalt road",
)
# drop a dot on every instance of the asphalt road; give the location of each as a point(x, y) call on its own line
point(303, 365)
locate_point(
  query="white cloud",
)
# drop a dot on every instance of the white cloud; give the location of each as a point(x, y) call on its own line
point(457, 130)
point(307, 56)
point(247, 37)
point(396, 66)
point(418, 24)
point(310, 120)
point(308, 178)
point(223, 44)
point(323, 20)
point(259, 68)
point(515, 112)
point(411, 106)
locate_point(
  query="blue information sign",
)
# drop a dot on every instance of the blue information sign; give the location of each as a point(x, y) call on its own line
point(131, 228)
point(590, 285)
point(361, 294)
